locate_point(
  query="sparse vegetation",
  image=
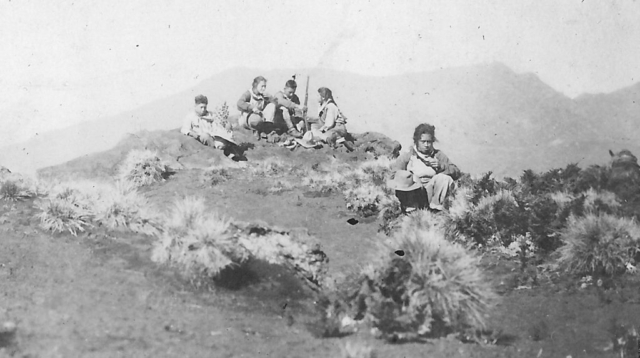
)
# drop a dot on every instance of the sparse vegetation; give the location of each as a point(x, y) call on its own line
point(423, 285)
point(120, 206)
point(201, 245)
point(141, 167)
point(11, 191)
point(599, 244)
point(64, 211)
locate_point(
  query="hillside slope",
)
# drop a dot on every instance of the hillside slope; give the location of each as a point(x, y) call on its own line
point(488, 118)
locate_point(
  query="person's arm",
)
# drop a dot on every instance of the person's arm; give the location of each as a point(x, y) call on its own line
point(401, 162)
point(330, 118)
point(446, 167)
point(243, 103)
point(284, 101)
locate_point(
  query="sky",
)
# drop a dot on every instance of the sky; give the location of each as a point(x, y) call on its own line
point(64, 62)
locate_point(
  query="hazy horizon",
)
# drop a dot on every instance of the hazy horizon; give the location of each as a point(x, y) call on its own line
point(73, 61)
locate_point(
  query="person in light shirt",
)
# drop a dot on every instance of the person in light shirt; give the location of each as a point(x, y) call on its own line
point(331, 126)
point(208, 130)
point(430, 167)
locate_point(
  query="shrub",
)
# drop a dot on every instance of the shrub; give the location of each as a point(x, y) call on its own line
point(271, 167)
point(142, 167)
point(600, 201)
point(389, 214)
point(201, 245)
point(489, 218)
point(599, 244)
point(11, 191)
point(365, 198)
point(430, 287)
point(66, 211)
point(216, 176)
point(296, 251)
point(357, 349)
point(120, 206)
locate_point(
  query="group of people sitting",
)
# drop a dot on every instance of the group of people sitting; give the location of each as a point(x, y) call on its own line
point(423, 177)
point(265, 114)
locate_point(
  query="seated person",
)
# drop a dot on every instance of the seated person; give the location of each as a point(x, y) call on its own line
point(208, 130)
point(256, 108)
point(287, 105)
point(331, 123)
point(430, 167)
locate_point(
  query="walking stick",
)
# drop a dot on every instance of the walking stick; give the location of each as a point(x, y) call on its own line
point(304, 111)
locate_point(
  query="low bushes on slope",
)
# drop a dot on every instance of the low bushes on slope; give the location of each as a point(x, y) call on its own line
point(141, 167)
point(599, 244)
point(203, 244)
point(74, 206)
point(422, 286)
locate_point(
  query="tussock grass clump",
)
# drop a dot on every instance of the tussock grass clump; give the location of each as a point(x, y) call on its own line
point(366, 198)
point(141, 167)
point(389, 214)
point(271, 167)
point(599, 244)
point(421, 286)
point(120, 206)
point(11, 191)
point(66, 210)
point(73, 206)
point(200, 244)
point(436, 287)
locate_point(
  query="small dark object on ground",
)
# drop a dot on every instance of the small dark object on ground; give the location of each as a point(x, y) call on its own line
point(399, 252)
point(7, 334)
point(352, 221)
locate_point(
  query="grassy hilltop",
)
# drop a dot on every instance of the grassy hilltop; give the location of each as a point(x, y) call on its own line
point(160, 246)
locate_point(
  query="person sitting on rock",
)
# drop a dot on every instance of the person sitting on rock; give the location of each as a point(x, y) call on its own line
point(207, 129)
point(257, 108)
point(429, 167)
point(289, 110)
point(331, 122)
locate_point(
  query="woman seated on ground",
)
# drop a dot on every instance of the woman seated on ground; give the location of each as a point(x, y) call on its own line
point(257, 108)
point(331, 123)
point(424, 176)
point(209, 130)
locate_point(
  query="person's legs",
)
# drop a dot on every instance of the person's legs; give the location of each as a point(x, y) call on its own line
point(437, 190)
point(269, 112)
point(256, 123)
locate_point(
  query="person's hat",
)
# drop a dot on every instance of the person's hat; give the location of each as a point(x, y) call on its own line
point(225, 136)
point(403, 181)
point(307, 140)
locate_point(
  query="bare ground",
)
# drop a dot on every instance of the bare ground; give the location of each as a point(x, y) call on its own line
point(99, 295)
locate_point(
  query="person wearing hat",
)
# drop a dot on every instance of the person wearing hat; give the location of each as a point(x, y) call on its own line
point(429, 167)
point(202, 125)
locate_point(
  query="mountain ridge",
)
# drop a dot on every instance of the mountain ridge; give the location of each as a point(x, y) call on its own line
point(485, 108)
